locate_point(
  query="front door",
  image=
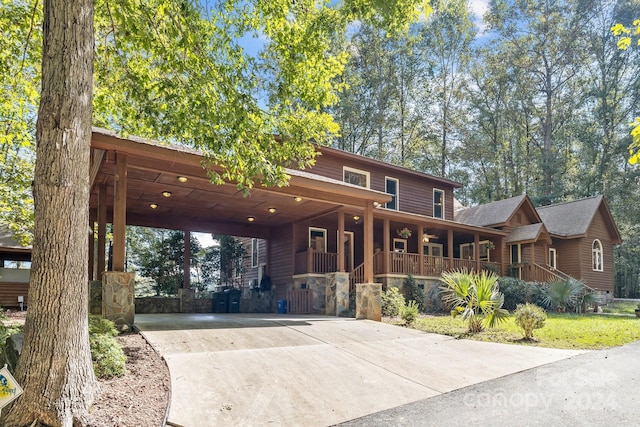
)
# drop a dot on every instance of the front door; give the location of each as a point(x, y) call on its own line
point(347, 250)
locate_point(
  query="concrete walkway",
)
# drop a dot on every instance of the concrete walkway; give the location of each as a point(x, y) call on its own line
point(241, 369)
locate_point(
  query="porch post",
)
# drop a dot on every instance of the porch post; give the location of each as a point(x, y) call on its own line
point(119, 211)
point(187, 260)
point(102, 230)
point(340, 248)
point(450, 247)
point(421, 249)
point(476, 250)
point(368, 243)
point(533, 254)
point(92, 245)
point(386, 243)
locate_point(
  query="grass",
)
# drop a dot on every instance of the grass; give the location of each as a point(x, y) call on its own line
point(567, 331)
point(620, 308)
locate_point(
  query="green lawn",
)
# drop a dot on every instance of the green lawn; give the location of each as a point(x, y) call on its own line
point(570, 331)
point(620, 308)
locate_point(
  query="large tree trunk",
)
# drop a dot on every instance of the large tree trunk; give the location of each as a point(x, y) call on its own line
point(55, 367)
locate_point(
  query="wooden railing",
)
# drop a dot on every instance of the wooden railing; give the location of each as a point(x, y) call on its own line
point(536, 273)
point(356, 276)
point(311, 261)
point(300, 301)
point(408, 263)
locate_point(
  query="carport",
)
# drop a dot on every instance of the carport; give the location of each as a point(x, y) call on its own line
point(135, 181)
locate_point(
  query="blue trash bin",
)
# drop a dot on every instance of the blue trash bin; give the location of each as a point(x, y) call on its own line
point(282, 306)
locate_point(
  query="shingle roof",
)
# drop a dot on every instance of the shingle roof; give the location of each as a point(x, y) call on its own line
point(8, 240)
point(525, 233)
point(491, 213)
point(570, 218)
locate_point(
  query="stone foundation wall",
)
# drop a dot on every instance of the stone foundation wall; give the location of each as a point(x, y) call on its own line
point(337, 293)
point(154, 305)
point(257, 302)
point(318, 285)
point(429, 288)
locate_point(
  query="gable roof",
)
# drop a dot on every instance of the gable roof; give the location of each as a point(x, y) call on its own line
point(492, 214)
point(8, 242)
point(572, 219)
point(528, 233)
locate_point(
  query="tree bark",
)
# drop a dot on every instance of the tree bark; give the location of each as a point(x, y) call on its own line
point(55, 367)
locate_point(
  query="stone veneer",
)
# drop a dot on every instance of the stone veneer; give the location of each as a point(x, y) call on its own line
point(187, 300)
point(153, 305)
point(369, 301)
point(426, 283)
point(118, 297)
point(95, 297)
point(337, 293)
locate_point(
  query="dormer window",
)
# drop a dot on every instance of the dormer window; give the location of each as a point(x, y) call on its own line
point(356, 177)
point(438, 203)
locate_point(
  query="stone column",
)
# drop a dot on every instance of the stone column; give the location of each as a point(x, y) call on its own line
point(187, 300)
point(337, 293)
point(118, 303)
point(369, 301)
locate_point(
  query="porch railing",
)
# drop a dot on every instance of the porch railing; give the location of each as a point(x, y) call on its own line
point(311, 261)
point(536, 273)
point(300, 301)
point(408, 263)
point(356, 276)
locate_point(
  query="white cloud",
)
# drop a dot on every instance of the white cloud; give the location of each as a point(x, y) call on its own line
point(479, 8)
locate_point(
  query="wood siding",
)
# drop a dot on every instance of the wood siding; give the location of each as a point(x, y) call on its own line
point(9, 293)
point(415, 194)
point(601, 280)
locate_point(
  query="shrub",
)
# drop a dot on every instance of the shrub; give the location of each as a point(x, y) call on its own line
point(563, 295)
point(412, 292)
point(107, 355)
point(392, 301)
point(529, 317)
point(409, 312)
point(475, 297)
point(515, 292)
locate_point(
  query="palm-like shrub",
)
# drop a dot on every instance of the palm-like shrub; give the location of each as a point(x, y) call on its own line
point(475, 297)
point(566, 294)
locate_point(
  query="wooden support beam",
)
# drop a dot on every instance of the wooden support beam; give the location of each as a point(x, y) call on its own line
point(119, 212)
point(102, 231)
point(450, 247)
point(386, 243)
point(340, 242)
point(368, 243)
point(476, 250)
point(187, 260)
point(420, 249)
point(91, 248)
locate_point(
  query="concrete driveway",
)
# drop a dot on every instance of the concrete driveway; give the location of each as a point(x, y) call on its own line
point(266, 369)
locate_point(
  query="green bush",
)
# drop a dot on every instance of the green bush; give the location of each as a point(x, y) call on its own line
point(107, 355)
point(412, 292)
point(529, 317)
point(409, 312)
point(515, 292)
point(392, 301)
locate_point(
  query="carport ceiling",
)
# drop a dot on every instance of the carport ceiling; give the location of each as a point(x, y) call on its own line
point(198, 205)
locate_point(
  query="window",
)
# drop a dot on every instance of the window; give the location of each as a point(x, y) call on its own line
point(596, 255)
point(515, 254)
point(356, 177)
point(391, 187)
point(438, 203)
point(553, 258)
point(255, 251)
point(399, 245)
point(318, 239)
point(467, 250)
point(432, 249)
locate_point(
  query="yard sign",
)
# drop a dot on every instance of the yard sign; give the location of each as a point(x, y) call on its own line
point(9, 388)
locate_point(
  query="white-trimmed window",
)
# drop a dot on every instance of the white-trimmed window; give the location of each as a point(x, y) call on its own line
point(318, 239)
point(597, 256)
point(467, 251)
point(356, 176)
point(553, 258)
point(400, 245)
point(438, 203)
point(255, 252)
point(392, 187)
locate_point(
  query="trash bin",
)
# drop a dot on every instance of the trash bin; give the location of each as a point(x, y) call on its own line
point(220, 302)
point(234, 300)
point(282, 306)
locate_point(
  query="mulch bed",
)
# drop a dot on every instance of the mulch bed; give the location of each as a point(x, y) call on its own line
point(140, 398)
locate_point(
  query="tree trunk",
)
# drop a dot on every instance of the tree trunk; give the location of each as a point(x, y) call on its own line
point(55, 368)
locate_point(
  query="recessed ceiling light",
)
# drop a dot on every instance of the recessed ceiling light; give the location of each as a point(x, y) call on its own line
point(297, 199)
point(272, 210)
point(183, 179)
point(153, 206)
point(356, 217)
point(250, 219)
point(166, 193)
